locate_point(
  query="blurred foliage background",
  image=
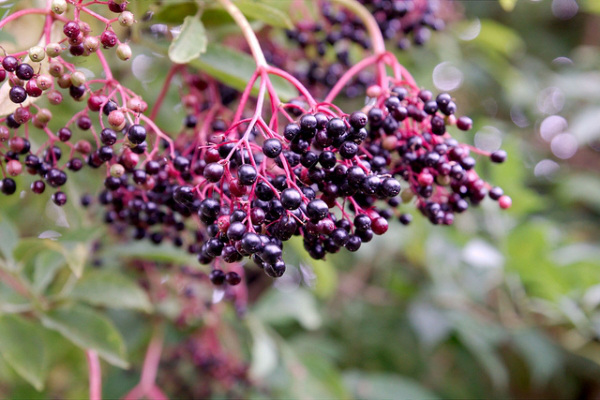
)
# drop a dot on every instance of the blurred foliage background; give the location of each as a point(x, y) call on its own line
point(502, 304)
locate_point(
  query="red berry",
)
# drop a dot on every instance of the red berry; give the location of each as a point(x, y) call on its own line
point(109, 39)
point(505, 202)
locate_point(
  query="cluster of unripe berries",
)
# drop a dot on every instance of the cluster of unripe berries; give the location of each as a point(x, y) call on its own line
point(30, 79)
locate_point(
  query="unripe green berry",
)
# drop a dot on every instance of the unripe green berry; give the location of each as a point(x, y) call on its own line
point(124, 51)
point(37, 53)
point(117, 170)
point(53, 49)
point(78, 78)
point(59, 6)
point(126, 18)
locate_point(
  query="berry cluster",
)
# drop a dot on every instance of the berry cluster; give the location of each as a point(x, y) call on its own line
point(401, 21)
point(230, 186)
point(29, 79)
point(219, 372)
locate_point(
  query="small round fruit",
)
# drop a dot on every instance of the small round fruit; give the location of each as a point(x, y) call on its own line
point(37, 53)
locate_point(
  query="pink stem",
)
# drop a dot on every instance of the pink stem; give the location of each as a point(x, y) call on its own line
point(351, 73)
point(21, 13)
point(245, 95)
point(151, 363)
point(97, 16)
point(163, 92)
point(95, 375)
point(105, 66)
point(299, 86)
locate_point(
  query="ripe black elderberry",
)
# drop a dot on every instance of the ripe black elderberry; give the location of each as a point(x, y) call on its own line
point(136, 134)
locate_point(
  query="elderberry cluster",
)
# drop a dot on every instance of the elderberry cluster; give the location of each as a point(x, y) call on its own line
point(401, 21)
point(30, 79)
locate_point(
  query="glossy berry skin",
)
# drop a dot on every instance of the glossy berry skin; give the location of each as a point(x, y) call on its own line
point(291, 199)
point(38, 187)
point(24, 72)
point(8, 186)
point(499, 156)
point(136, 134)
point(17, 94)
point(108, 136)
point(213, 172)
point(108, 39)
point(272, 148)
point(59, 198)
point(64, 134)
point(71, 29)
point(33, 89)
point(247, 175)
point(233, 278)
point(10, 63)
point(217, 277)
point(464, 123)
point(275, 270)
point(317, 210)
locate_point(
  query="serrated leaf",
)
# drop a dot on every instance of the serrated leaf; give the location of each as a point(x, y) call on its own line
point(235, 69)
point(265, 13)
point(22, 347)
point(175, 12)
point(190, 43)
point(111, 289)
point(89, 330)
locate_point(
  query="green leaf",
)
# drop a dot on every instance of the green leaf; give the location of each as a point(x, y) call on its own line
point(9, 238)
point(235, 69)
point(508, 5)
point(175, 12)
point(89, 330)
point(373, 386)
point(22, 347)
point(190, 43)
point(324, 270)
point(76, 255)
point(264, 349)
point(280, 307)
point(542, 356)
point(146, 251)
point(47, 264)
point(481, 339)
point(591, 6)
point(111, 289)
point(500, 38)
point(265, 13)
